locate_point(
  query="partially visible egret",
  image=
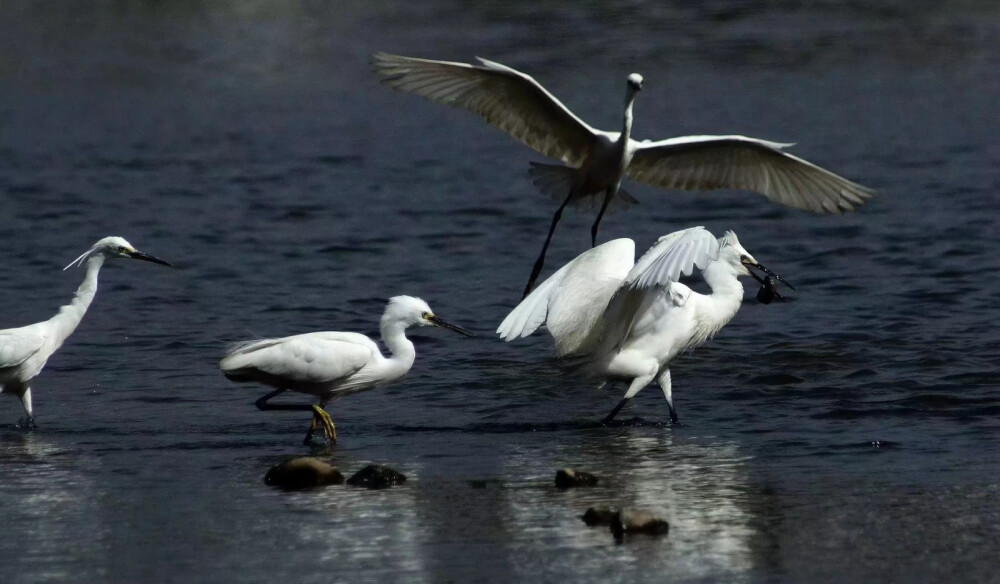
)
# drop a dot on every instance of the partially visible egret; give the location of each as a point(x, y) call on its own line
point(629, 321)
point(331, 365)
point(25, 350)
point(596, 161)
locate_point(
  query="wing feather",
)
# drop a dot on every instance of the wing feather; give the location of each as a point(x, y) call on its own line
point(504, 97)
point(18, 345)
point(571, 302)
point(656, 273)
point(739, 162)
point(313, 358)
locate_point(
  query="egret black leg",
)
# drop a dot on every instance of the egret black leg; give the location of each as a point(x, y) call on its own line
point(262, 402)
point(614, 412)
point(312, 428)
point(320, 417)
point(608, 195)
point(673, 415)
point(540, 262)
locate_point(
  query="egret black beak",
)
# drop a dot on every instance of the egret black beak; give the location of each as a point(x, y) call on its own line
point(755, 264)
point(436, 321)
point(138, 255)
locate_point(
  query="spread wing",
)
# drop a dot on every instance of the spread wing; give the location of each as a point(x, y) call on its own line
point(571, 301)
point(653, 276)
point(321, 357)
point(504, 97)
point(736, 162)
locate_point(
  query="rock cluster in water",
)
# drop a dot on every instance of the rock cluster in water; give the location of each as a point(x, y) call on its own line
point(307, 472)
point(567, 478)
point(626, 521)
point(304, 472)
point(376, 476)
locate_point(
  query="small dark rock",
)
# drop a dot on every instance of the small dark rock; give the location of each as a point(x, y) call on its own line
point(304, 472)
point(567, 478)
point(630, 521)
point(598, 516)
point(376, 476)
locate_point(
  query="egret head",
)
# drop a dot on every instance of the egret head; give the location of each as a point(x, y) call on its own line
point(634, 83)
point(115, 247)
point(410, 311)
point(740, 259)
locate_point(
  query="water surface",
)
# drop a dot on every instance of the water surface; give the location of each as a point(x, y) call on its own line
point(850, 435)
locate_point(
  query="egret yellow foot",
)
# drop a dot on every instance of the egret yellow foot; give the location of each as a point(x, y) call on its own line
point(324, 418)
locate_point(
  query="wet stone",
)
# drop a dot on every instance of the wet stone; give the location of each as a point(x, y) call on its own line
point(567, 478)
point(629, 522)
point(304, 472)
point(376, 476)
point(598, 516)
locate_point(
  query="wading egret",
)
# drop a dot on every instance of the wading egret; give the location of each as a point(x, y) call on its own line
point(628, 321)
point(596, 161)
point(330, 365)
point(25, 350)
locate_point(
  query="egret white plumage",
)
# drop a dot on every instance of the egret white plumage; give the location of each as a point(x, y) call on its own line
point(331, 365)
point(25, 350)
point(627, 320)
point(597, 161)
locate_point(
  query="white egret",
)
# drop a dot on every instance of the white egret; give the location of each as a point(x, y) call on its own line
point(331, 365)
point(25, 350)
point(596, 161)
point(628, 321)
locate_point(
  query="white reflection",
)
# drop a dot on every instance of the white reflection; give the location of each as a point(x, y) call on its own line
point(49, 511)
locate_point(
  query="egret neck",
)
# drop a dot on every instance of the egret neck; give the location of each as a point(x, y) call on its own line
point(70, 315)
point(393, 333)
point(727, 295)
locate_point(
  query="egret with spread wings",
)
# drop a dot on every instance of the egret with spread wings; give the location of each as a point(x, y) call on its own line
point(628, 320)
point(595, 161)
point(25, 350)
point(330, 365)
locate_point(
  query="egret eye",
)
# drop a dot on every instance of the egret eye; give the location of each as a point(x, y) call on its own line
point(425, 315)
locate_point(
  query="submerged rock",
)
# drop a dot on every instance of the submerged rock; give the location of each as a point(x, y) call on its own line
point(567, 478)
point(598, 516)
point(632, 521)
point(304, 472)
point(376, 476)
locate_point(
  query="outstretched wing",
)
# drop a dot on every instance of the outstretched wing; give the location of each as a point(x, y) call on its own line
point(313, 358)
point(672, 256)
point(504, 97)
point(696, 163)
point(571, 301)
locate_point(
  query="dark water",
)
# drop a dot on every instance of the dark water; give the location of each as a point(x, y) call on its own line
point(850, 435)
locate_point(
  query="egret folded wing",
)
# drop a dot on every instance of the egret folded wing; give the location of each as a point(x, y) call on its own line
point(313, 358)
point(18, 345)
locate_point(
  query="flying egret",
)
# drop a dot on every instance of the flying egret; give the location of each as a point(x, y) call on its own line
point(596, 161)
point(25, 350)
point(331, 365)
point(629, 321)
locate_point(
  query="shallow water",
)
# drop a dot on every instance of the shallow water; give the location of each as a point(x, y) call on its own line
point(850, 435)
